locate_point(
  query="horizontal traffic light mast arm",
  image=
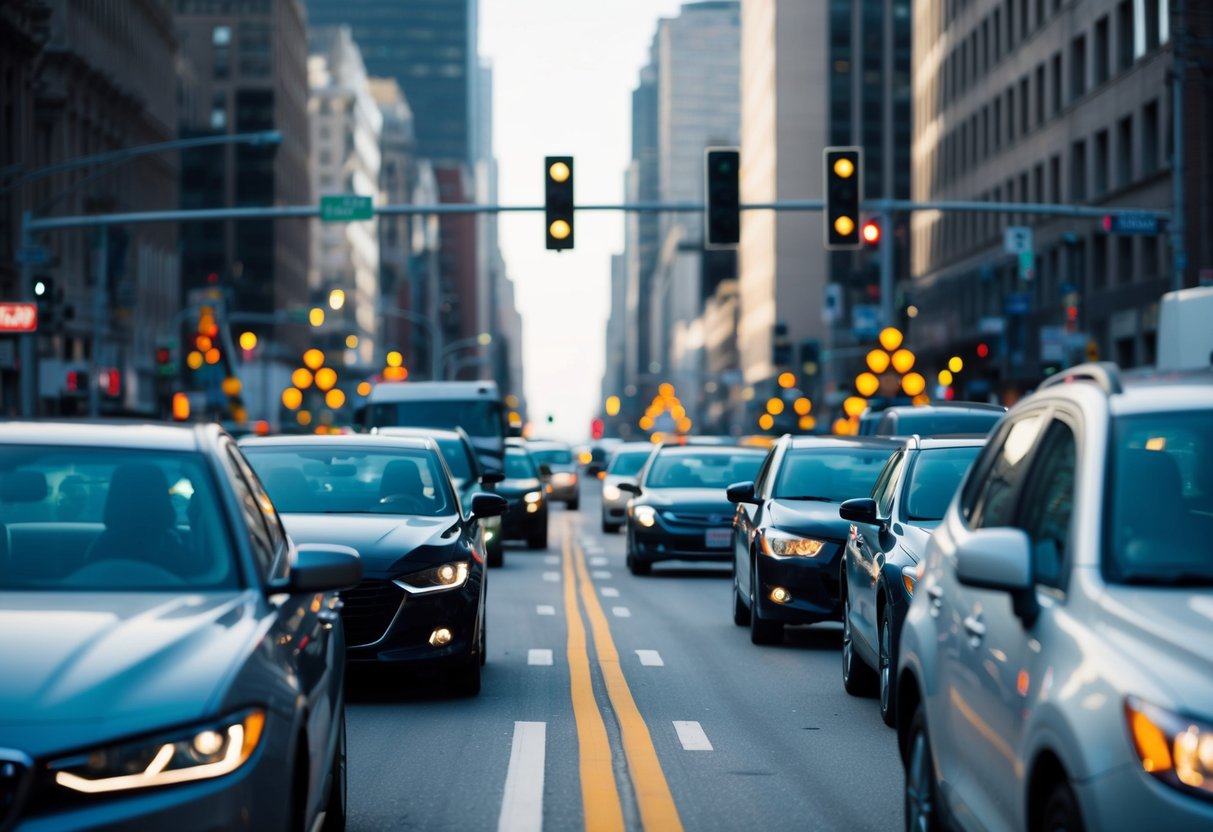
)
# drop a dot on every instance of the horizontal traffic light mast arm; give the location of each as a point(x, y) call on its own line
point(308, 211)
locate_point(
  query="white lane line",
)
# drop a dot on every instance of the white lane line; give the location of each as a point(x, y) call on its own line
point(599, 561)
point(551, 560)
point(621, 612)
point(522, 806)
point(610, 592)
point(545, 609)
point(692, 737)
point(650, 658)
point(601, 574)
point(554, 577)
point(539, 657)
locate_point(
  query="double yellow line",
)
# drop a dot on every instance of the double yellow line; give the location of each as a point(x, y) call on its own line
point(599, 789)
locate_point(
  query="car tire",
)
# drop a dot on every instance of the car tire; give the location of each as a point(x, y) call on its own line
point(762, 630)
point(495, 556)
point(484, 635)
point(538, 539)
point(573, 505)
point(921, 809)
point(465, 679)
point(610, 528)
point(886, 673)
point(741, 612)
point(857, 678)
point(338, 800)
point(1061, 812)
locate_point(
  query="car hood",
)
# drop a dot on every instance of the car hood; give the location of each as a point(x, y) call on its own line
point(85, 667)
point(382, 541)
point(1159, 629)
point(808, 516)
point(711, 500)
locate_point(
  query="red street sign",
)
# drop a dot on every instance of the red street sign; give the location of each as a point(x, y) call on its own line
point(18, 317)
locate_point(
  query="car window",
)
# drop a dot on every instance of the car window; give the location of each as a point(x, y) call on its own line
point(706, 470)
point(831, 474)
point(1049, 502)
point(886, 483)
point(934, 478)
point(627, 463)
point(254, 520)
point(552, 456)
point(457, 458)
point(518, 465)
point(1005, 465)
point(764, 473)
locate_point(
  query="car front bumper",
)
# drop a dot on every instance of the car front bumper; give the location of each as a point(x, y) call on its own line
point(1126, 797)
point(812, 584)
point(663, 542)
point(519, 524)
point(394, 625)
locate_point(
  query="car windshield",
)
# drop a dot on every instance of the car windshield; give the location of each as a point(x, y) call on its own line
point(939, 424)
point(111, 519)
point(628, 463)
point(331, 480)
point(936, 475)
point(1159, 510)
point(518, 465)
point(829, 474)
point(702, 470)
point(477, 417)
point(552, 456)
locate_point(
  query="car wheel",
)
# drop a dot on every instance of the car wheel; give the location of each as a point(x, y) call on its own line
point(610, 528)
point(484, 636)
point(538, 539)
point(762, 630)
point(741, 612)
point(465, 679)
point(857, 678)
point(637, 566)
point(888, 686)
point(335, 808)
point(495, 557)
point(921, 798)
point(573, 505)
point(1061, 813)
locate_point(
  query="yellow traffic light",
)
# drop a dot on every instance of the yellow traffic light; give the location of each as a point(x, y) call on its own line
point(787, 381)
point(844, 167)
point(945, 377)
point(194, 360)
point(302, 378)
point(774, 406)
point(766, 421)
point(316, 316)
point(612, 406)
point(395, 359)
point(853, 406)
point(559, 171)
point(334, 398)
point(560, 230)
point(802, 406)
point(844, 225)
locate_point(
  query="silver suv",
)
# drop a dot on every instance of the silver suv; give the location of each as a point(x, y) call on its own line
point(1056, 664)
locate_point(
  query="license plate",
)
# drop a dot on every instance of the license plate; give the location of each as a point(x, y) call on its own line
point(718, 538)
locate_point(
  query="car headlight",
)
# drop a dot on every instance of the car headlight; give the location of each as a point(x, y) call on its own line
point(435, 579)
point(564, 478)
point(782, 545)
point(1175, 749)
point(199, 754)
point(909, 578)
point(645, 516)
point(533, 496)
point(611, 492)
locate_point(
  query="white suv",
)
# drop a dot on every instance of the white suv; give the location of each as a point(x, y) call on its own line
point(1056, 664)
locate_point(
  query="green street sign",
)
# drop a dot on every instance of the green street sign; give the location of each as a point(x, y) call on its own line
point(345, 208)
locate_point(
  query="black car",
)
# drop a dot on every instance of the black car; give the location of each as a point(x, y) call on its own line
point(938, 419)
point(524, 489)
point(422, 600)
point(787, 536)
point(888, 534)
point(171, 659)
point(680, 510)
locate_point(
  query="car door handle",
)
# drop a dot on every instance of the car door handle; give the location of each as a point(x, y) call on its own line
point(935, 595)
point(975, 628)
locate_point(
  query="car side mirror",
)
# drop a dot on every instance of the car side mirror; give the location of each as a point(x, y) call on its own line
point(491, 477)
point(859, 510)
point(488, 505)
point(630, 487)
point(1000, 559)
point(324, 567)
point(741, 492)
point(545, 471)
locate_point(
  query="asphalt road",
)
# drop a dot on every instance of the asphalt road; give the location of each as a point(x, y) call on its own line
point(643, 708)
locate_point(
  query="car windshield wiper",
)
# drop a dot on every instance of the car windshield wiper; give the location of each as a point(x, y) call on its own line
point(1173, 579)
point(812, 497)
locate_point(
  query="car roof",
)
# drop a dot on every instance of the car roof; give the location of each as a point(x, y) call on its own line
point(628, 447)
point(926, 443)
point(858, 442)
point(708, 449)
point(548, 443)
point(433, 433)
point(398, 391)
point(1132, 392)
point(364, 440)
point(111, 434)
point(943, 407)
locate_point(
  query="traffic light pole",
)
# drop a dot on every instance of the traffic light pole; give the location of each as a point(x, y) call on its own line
point(28, 359)
point(101, 277)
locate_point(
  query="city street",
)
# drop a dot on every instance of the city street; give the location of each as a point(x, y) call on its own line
point(726, 735)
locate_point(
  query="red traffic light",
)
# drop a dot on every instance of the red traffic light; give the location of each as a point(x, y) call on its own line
point(164, 355)
point(597, 428)
point(871, 233)
point(983, 350)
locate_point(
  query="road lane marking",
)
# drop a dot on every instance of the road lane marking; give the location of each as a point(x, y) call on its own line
point(522, 806)
point(656, 803)
point(602, 809)
point(650, 658)
point(554, 577)
point(692, 737)
point(599, 561)
point(621, 612)
point(610, 592)
point(545, 609)
point(539, 656)
point(601, 574)
point(552, 560)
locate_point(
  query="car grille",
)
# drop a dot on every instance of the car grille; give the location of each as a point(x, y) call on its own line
point(13, 771)
point(369, 610)
point(690, 518)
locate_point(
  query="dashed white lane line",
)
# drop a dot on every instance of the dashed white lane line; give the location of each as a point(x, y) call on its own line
point(545, 609)
point(601, 574)
point(522, 806)
point(650, 658)
point(621, 612)
point(599, 561)
point(554, 577)
point(692, 737)
point(610, 592)
point(539, 657)
point(551, 560)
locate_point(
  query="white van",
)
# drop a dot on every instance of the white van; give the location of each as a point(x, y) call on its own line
point(1185, 336)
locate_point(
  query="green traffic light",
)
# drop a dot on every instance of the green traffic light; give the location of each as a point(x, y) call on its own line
point(40, 288)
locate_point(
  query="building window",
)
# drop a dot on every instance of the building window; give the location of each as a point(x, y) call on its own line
point(221, 45)
point(1010, 25)
point(255, 50)
point(1100, 180)
point(1124, 152)
point(997, 35)
point(1124, 34)
point(1124, 259)
point(1078, 171)
point(1040, 96)
point(1038, 183)
point(1011, 114)
point(1149, 138)
point(1057, 103)
point(1099, 261)
point(1024, 110)
point(1148, 34)
point(1102, 49)
point(1078, 67)
point(1055, 180)
point(219, 111)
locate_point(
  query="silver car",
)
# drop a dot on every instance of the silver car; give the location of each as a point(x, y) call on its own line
point(1056, 664)
point(624, 465)
point(564, 485)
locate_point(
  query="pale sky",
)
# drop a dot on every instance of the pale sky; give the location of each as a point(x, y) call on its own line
point(563, 74)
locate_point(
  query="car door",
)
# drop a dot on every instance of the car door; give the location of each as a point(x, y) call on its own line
point(746, 522)
point(867, 544)
point(970, 740)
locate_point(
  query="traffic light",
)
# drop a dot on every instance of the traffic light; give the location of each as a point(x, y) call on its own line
point(558, 201)
point(166, 364)
point(871, 232)
point(843, 178)
point(597, 428)
point(722, 221)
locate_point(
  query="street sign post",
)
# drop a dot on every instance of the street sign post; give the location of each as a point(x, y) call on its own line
point(18, 317)
point(1017, 239)
point(32, 256)
point(346, 208)
point(1135, 223)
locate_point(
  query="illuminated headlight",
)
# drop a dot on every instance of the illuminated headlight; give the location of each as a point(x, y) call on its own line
point(1175, 749)
point(564, 478)
point(611, 492)
point(488, 535)
point(783, 545)
point(200, 754)
point(909, 578)
point(533, 496)
point(645, 516)
point(436, 579)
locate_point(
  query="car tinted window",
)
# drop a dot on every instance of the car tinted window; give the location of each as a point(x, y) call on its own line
point(1049, 502)
point(628, 463)
point(112, 519)
point(455, 454)
point(993, 503)
point(1159, 507)
point(329, 480)
point(518, 465)
point(478, 418)
point(834, 474)
point(552, 456)
point(707, 470)
point(936, 475)
point(885, 487)
point(259, 535)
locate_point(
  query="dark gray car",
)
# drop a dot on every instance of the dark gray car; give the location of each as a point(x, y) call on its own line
point(171, 659)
